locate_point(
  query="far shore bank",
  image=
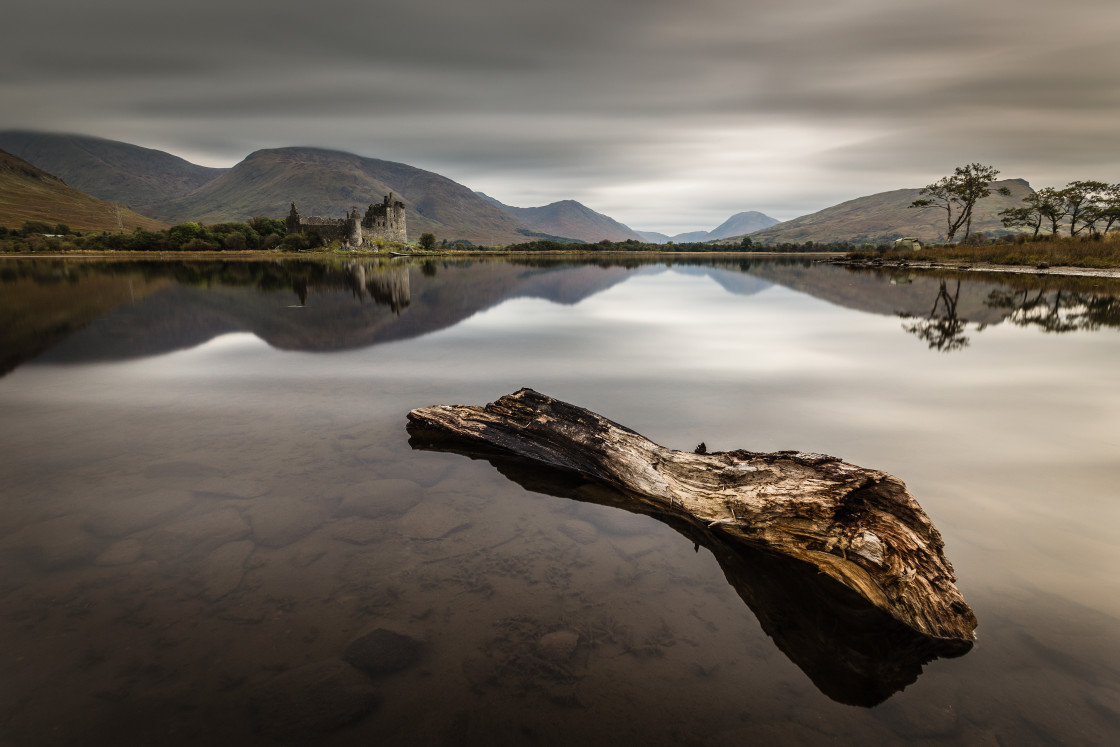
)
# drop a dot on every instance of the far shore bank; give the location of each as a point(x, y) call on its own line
point(841, 259)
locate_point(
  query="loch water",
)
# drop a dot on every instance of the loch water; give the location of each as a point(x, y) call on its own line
point(214, 528)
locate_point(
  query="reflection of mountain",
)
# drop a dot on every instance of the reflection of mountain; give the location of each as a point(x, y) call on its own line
point(109, 311)
point(315, 307)
point(732, 281)
point(44, 303)
point(943, 308)
point(885, 293)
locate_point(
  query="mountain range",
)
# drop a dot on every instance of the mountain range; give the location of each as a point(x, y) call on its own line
point(329, 183)
point(572, 219)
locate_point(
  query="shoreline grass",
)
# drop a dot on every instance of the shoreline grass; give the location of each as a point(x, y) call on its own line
point(1100, 253)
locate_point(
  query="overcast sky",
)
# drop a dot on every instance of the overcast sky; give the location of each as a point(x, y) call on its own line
point(666, 115)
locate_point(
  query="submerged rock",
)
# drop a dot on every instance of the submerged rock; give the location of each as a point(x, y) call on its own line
point(196, 536)
point(558, 646)
point(124, 552)
point(358, 531)
point(432, 520)
point(223, 569)
point(374, 499)
point(229, 488)
point(131, 514)
point(579, 531)
point(383, 652)
point(312, 699)
point(278, 522)
point(53, 544)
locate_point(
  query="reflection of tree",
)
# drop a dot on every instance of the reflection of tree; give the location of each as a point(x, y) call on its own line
point(1060, 311)
point(944, 331)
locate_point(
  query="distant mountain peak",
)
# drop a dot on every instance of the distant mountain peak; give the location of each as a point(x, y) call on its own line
point(570, 219)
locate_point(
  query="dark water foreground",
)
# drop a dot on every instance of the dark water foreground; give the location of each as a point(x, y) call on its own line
point(214, 528)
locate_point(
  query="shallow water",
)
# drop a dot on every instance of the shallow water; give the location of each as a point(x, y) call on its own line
point(209, 494)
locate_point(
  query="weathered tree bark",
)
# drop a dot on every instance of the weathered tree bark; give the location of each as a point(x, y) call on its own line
point(859, 526)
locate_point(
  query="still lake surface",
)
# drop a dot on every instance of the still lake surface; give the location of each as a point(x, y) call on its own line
point(209, 496)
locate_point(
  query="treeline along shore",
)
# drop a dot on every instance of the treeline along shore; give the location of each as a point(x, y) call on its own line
point(269, 234)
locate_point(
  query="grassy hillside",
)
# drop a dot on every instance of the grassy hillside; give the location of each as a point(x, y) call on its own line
point(330, 183)
point(886, 216)
point(28, 193)
point(570, 219)
point(110, 170)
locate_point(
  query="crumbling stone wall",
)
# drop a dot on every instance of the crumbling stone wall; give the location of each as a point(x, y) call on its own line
point(384, 220)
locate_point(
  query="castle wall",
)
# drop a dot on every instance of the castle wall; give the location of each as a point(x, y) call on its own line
point(384, 220)
point(328, 228)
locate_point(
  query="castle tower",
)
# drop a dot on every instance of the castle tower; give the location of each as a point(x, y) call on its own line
point(292, 221)
point(386, 220)
point(354, 228)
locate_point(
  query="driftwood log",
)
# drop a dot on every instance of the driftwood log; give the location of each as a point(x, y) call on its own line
point(861, 527)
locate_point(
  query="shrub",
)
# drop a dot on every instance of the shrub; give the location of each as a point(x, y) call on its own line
point(293, 242)
point(34, 226)
point(197, 245)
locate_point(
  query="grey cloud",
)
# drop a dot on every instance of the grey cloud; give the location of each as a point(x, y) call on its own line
point(816, 100)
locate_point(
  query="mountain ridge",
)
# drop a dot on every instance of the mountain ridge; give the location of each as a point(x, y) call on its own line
point(329, 183)
point(109, 170)
point(570, 219)
point(886, 216)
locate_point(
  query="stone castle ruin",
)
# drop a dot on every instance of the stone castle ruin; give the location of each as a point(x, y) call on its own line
point(384, 220)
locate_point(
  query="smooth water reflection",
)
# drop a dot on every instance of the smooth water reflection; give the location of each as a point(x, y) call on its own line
point(209, 494)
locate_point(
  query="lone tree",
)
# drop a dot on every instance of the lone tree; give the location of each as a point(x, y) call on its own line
point(958, 194)
point(427, 241)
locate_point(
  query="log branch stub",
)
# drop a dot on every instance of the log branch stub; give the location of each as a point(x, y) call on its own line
point(859, 526)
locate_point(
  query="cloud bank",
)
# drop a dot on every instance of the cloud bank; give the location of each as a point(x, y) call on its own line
point(665, 115)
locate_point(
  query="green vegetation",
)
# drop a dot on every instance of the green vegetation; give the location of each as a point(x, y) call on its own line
point(257, 234)
point(1092, 208)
